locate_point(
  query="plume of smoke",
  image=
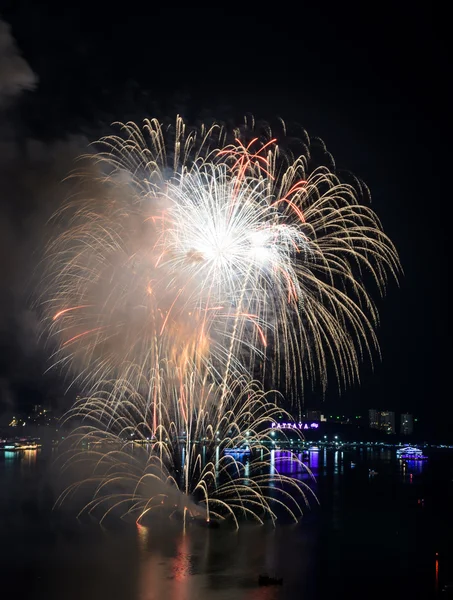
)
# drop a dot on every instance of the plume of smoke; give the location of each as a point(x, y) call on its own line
point(31, 176)
point(15, 74)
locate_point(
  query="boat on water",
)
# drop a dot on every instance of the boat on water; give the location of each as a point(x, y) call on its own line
point(372, 472)
point(16, 446)
point(410, 453)
point(352, 465)
point(19, 444)
point(266, 580)
point(10, 447)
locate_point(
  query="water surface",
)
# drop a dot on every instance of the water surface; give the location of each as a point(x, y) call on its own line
point(371, 537)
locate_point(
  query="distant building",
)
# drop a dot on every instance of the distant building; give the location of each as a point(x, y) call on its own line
point(313, 415)
point(384, 420)
point(373, 418)
point(387, 421)
point(407, 424)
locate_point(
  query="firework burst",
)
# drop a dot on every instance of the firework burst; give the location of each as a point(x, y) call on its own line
point(181, 246)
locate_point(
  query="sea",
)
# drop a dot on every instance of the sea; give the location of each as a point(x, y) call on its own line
point(382, 535)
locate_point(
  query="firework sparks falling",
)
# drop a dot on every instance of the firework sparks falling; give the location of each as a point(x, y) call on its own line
point(187, 467)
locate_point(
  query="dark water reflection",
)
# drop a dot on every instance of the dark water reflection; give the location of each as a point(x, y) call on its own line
point(371, 537)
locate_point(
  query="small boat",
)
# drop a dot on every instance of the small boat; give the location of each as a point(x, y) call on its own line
point(266, 580)
point(352, 465)
point(372, 472)
point(11, 447)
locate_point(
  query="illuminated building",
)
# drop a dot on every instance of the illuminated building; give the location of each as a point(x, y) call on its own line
point(373, 417)
point(407, 424)
point(313, 415)
point(387, 421)
point(383, 420)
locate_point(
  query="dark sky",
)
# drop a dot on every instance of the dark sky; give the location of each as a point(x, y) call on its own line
point(371, 82)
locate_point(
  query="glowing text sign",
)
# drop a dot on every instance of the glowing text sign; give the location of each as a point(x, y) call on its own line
point(294, 425)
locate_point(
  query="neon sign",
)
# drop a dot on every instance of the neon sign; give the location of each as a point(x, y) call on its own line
point(294, 425)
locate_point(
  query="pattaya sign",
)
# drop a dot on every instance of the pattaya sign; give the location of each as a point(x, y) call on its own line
point(294, 425)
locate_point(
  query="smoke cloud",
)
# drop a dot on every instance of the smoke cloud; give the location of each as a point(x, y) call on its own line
point(15, 74)
point(31, 179)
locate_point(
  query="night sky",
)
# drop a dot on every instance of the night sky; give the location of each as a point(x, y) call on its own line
point(370, 82)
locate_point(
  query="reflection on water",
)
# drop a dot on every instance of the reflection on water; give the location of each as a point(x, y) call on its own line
point(167, 577)
point(29, 458)
point(203, 564)
point(287, 463)
point(11, 455)
point(298, 464)
point(364, 524)
point(314, 462)
point(410, 470)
